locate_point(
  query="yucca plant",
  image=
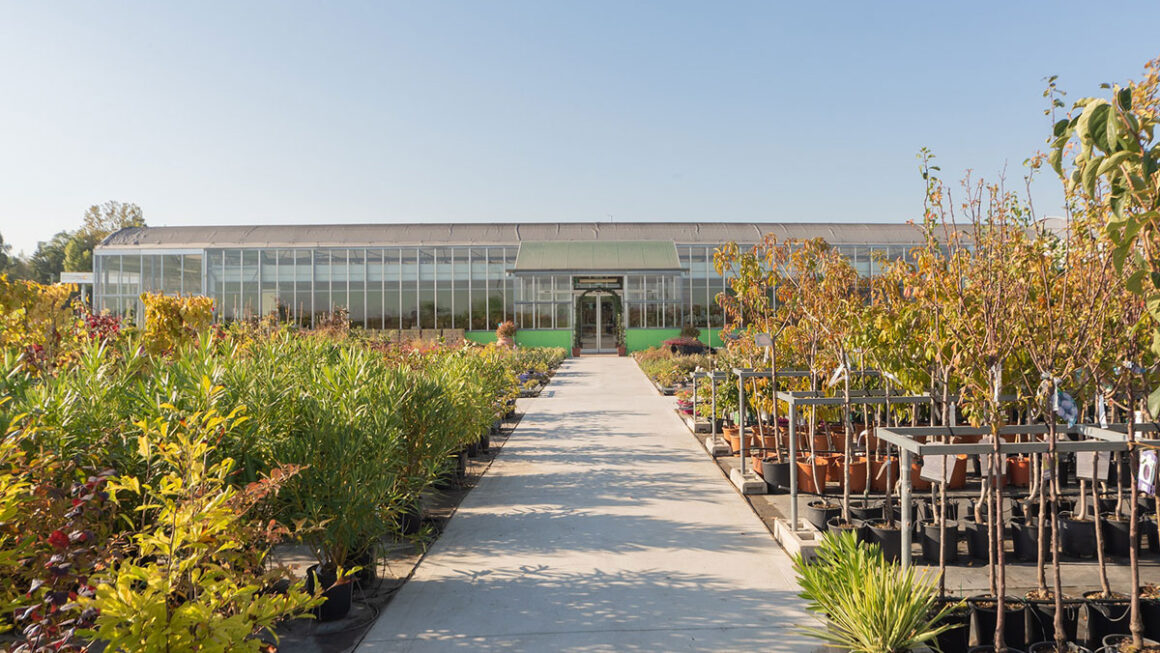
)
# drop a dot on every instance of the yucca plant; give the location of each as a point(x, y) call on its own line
point(868, 605)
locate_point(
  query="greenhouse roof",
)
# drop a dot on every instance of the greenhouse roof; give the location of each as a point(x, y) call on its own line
point(510, 233)
point(597, 256)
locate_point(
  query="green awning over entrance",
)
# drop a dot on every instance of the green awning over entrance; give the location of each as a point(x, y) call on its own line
point(537, 257)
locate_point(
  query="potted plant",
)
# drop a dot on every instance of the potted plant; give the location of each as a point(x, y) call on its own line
point(505, 334)
point(866, 603)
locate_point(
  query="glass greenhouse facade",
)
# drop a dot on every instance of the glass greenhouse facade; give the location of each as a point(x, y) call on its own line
point(402, 277)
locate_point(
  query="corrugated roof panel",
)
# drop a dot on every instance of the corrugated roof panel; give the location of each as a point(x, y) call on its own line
point(509, 233)
point(611, 256)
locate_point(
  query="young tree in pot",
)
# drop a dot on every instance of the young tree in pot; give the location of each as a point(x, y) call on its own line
point(1114, 168)
point(803, 271)
point(980, 321)
point(1063, 312)
point(832, 308)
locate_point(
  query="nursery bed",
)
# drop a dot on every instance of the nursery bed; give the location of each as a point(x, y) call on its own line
point(398, 560)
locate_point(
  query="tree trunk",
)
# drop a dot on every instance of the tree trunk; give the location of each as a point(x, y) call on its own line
point(1137, 625)
point(1056, 577)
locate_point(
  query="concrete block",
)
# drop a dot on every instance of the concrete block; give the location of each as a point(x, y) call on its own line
point(717, 446)
point(749, 483)
point(804, 539)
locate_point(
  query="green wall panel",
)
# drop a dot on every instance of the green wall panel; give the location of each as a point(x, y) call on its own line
point(711, 337)
point(545, 338)
point(638, 339)
point(482, 337)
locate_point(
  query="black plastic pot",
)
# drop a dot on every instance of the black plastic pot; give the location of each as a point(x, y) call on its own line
point(990, 648)
point(1025, 538)
point(836, 525)
point(1077, 538)
point(1150, 615)
point(1149, 534)
point(473, 450)
point(366, 576)
point(776, 475)
point(956, 639)
point(338, 597)
point(889, 539)
point(1041, 620)
point(867, 510)
point(914, 505)
point(1105, 617)
point(930, 542)
point(820, 512)
point(976, 535)
point(1112, 643)
point(410, 519)
point(1117, 537)
point(485, 443)
point(1065, 470)
point(1014, 622)
point(1049, 647)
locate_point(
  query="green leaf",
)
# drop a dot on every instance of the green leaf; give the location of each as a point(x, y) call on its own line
point(1113, 162)
point(1060, 128)
point(1154, 398)
point(1055, 159)
point(1098, 124)
point(1124, 99)
point(1090, 174)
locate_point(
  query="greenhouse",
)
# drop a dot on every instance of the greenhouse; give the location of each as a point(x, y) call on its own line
point(633, 284)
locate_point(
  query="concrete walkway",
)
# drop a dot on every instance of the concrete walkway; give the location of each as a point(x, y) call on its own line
point(601, 527)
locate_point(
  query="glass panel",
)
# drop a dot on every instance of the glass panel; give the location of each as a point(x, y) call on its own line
point(251, 292)
point(563, 315)
point(171, 274)
point(286, 299)
point(607, 323)
point(443, 288)
point(409, 308)
point(268, 264)
point(587, 321)
point(544, 314)
point(304, 287)
point(357, 300)
point(374, 263)
point(321, 285)
point(338, 280)
point(191, 274)
point(426, 288)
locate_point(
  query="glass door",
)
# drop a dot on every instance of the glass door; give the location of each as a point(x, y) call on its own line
point(607, 317)
point(596, 320)
point(587, 322)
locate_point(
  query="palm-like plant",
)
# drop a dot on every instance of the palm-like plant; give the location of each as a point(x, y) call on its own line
point(868, 605)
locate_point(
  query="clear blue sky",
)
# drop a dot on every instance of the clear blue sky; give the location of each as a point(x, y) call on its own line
point(272, 112)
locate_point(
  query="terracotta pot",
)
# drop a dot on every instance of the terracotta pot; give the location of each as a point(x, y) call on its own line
point(959, 473)
point(755, 463)
point(807, 470)
point(917, 482)
point(858, 469)
point(770, 440)
point(1019, 471)
point(821, 441)
point(838, 438)
point(880, 479)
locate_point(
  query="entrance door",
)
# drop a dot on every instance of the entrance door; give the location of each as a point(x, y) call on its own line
point(597, 323)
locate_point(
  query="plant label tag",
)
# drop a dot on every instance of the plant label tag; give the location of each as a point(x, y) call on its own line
point(763, 340)
point(1147, 475)
point(1091, 465)
point(935, 469)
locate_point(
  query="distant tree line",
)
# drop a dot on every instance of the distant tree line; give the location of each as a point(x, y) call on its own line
point(70, 251)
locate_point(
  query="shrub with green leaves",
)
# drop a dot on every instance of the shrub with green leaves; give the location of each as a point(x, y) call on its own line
point(867, 604)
